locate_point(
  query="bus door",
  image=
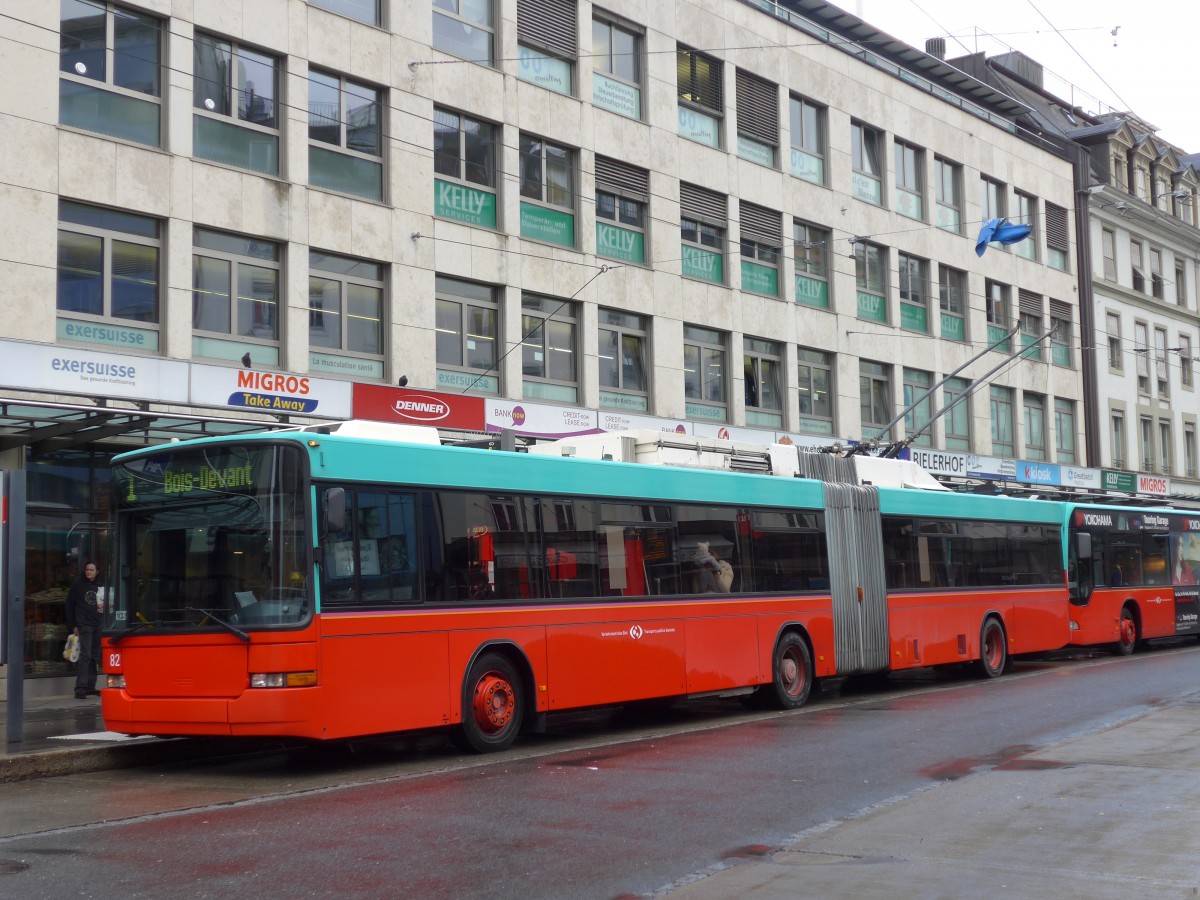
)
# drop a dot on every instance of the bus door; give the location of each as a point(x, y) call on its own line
point(856, 580)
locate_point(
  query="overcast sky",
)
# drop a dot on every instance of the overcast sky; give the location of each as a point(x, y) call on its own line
point(1151, 70)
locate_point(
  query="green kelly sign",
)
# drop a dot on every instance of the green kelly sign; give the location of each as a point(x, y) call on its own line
point(1118, 481)
point(812, 292)
point(871, 306)
point(700, 263)
point(620, 243)
point(760, 279)
point(548, 225)
point(464, 204)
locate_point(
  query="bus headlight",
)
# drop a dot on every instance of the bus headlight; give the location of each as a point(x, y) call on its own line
point(114, 681)
point(283, 679)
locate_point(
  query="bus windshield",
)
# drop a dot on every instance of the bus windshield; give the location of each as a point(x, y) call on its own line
point(210, 538)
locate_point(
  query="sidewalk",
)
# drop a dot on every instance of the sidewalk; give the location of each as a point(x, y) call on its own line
point(1113, 814)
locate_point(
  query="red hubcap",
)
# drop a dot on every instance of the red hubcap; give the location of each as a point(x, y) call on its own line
point(993, 650)
point(1128, 630)
point(791, 673)
point(494, 703)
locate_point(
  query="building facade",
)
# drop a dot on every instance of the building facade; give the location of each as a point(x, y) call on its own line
point(731, 218)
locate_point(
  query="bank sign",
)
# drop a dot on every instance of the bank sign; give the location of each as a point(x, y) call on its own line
point(270, 392)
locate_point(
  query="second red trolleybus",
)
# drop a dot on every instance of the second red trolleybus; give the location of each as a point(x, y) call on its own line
point(337, 582)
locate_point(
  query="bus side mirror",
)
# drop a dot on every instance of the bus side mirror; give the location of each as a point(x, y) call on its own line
point(1083, 545)
point(335, 509)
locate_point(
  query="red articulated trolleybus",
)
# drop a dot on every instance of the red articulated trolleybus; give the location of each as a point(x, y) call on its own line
point(1134, 574)
point(363, 579)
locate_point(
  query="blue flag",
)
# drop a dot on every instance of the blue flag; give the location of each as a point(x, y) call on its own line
point(1001, 230)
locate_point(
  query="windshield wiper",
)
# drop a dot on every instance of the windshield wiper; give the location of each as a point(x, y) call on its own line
point(228, 626)
point(121, 635)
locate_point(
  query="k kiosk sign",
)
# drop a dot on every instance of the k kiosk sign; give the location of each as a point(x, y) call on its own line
point(413, 407)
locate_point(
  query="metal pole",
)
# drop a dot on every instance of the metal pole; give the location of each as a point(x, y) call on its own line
point(14, 595)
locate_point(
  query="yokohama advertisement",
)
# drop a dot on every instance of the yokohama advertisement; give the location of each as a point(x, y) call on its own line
point(390, 404)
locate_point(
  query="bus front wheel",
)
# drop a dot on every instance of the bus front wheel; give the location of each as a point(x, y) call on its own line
point(1127, 633)
point(793, 673)
point(993, 651)
point(493, 705)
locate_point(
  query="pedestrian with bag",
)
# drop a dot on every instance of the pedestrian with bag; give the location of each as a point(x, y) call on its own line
point(84, 615)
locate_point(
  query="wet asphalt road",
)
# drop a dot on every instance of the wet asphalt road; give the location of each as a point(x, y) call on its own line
point(602, 806)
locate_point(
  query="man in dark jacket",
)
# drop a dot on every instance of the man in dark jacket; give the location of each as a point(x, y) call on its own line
point(83, 618)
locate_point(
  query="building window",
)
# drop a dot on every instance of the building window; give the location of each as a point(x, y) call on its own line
point(1141, 351)
point(1163, 383)
point(233, 91)
point(952, 294)
point(866, 148)
point(1030, 322)
point(998, 317)
point(870, 278)
point(111, 76)
point(812, 272)
point(815, 379)
point(547, 42)
point(616, 68)
point(1138, 265)
point(992, 203)
point(918, 413)
point(808, 139)
point(1060, 338)
point(464, 28)
point(464, 166)
point(235, 297)
point(910, 180)
point(345, 315)
point(762, 365)
point(622, 191)
point(1002, 421)
point(1189, 450)
point(762, 242)
point(467, 322)
point(1064, 431)
point(1180, 283)
point(1035, 427)
point(622, 344)
point(1058, 243)
point(948, 194)
point(1027, 214)
point(704, 374)
point(1185, 360)
point(1108, 241)
point(346, 115)
point(702, 220)
point(701, 99)
point(1164, 446)
point(548, 180)
point(1146, 442)
point(361, 10)
point(1116, 360)
point(1117, 438)
point(757, 118)
point(549, 341)
point(914, 293)
point(1156, 273)
point(108, 267)
point(874, 398)
point(957, 419)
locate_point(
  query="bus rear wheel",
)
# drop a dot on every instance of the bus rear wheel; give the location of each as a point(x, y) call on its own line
point(793, 674)
point(993, 651)
point(1127, 633)
point(493, 705)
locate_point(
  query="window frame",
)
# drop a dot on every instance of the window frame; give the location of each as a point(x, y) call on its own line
point(1108, 249)
point(463, 165)
point(452, 11)
point(353, 274)
point(1141, 350)
point(956, 427)
point(345, 8)
point(757, 112)
point(865, 171)
point(467, 297)
point(997, 300)
point(377, 161)
point(810, 362)
point(916, 382)
point(547, 35)
point(875, 396)
point(233, 119)
point(131, 98)
point(1000, 404)
point(706, 345)
point(108, 277)
point(546, 310)
point(867, 290)
point(604, 64)
point(951, 306)
point(1035, 426)
point(624, 327)
point(916, 302)
point(806, 146)
point(1027, 214)
point(1186, 363)
point(810, 251)
point(1116, 350)
point(948, 177)
point(1117, 439)
point(701, 97)
point(235, 261)
point(1064, 431)
point(762, 369)
point(909, 186)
